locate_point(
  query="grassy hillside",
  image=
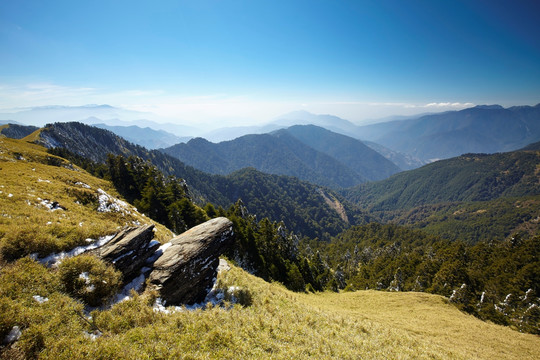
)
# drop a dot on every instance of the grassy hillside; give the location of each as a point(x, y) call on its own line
point(432, 323)
point(49, 205)
point(273, 323)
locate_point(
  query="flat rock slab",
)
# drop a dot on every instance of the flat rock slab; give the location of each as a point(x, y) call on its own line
point(186, 271)
point(129, 250)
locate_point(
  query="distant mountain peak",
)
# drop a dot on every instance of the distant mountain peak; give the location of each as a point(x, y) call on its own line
point(489, 107)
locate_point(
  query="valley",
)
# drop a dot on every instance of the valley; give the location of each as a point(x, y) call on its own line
point(337, 252)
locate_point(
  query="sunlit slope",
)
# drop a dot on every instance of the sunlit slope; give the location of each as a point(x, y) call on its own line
point(49, 205)
point(432, 321)
point(274, 323)
point(279, 324)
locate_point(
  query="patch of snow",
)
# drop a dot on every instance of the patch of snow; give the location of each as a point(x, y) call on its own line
point(56, 258)
point(159, 306)
point(135, 284)
point(85, 276)
point(45, 181)
point(223, 265)
point(81, 184)
point(13, 335)
point(160, 250)
point(527, 295)
point(49, 223)
point(40, 299)
point(51, 205)
point(123, 256)
point(108, 203)
point(10, 195)
point(152, 243)
point(93, 336)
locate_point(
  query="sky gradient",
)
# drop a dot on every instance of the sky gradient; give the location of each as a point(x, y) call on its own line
point(244, 61)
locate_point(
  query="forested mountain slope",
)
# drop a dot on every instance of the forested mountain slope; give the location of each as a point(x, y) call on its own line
point(280, 154)
point(347, 150)
point(93, 143)
point(16, 131)
point(470, 177)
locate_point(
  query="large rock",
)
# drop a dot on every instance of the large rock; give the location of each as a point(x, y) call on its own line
point(186, 271)
point(129, 250)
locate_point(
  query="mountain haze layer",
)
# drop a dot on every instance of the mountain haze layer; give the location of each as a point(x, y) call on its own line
point(481, 129)
point(282, 191)
point(349, 151)
point(310, 153)
point(147, 137)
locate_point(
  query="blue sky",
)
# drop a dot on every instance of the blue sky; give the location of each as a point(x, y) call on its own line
point(242, 61)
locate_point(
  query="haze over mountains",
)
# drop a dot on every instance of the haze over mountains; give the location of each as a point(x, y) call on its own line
point(408, 143)
point(481, 129)
point(308, 152)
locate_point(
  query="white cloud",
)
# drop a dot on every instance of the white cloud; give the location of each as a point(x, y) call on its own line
point(214, 109)
point(449, 105)
point(41, 94)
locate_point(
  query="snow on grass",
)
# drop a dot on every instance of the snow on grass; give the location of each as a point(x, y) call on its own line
point(40, 299)
point(83, 185)
point(13, 335)
point(51, 205)
point(108, 203)
point(55, 259)
point(135, 285)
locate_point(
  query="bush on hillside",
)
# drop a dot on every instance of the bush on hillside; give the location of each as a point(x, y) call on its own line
point(89, 279)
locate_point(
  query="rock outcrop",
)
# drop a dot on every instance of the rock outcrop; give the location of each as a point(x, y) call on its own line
point(186, 270)
point(129, 250)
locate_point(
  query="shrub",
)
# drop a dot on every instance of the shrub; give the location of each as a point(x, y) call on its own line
point(89, 279)
point(26, 278)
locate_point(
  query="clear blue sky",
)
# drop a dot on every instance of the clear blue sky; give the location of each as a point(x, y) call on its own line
point(205, 60)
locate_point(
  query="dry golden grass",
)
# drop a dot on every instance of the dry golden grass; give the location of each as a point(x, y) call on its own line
point(431, 319)
point(29, 184)
point(278, 324)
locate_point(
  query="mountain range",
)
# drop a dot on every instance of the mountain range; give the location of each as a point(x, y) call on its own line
point(281, 192)
point(408, 142)
point(469, 177)
point(481, 129)
point(308, 152)
point(470, 212)
point(147, 137)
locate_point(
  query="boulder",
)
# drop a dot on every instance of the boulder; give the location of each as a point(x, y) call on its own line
point(129, 250)
point(185, 272)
